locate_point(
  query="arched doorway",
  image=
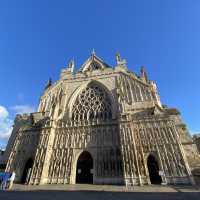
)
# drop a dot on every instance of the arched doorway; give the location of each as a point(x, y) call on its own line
point(153, 168)
point(84, 168)
point(27, 171)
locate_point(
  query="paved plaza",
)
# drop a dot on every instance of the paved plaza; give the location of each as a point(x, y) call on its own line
point(97, 192)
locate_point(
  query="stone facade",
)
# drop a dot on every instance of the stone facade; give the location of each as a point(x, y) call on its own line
point(106, 119)
point(196, 139)
point(1, 155)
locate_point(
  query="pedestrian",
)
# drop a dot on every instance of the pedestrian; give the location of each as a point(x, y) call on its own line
point(4, 182)
point(1, 177)
point(11, 180)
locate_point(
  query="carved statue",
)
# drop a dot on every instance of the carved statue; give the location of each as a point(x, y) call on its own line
point(144, 74)
point(118, 57)
point(49, 83)
point(121, 62)
point(70, 67)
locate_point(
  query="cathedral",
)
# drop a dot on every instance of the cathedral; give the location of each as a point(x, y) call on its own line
point(100, 125)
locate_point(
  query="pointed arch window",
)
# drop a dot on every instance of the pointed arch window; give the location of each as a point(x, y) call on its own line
point(91, 104)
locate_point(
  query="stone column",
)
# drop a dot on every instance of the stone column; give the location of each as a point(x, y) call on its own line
point(135, 153)
point(49, 149)
point(183, 156)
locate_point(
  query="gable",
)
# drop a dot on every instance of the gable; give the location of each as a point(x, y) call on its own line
point(93, 63)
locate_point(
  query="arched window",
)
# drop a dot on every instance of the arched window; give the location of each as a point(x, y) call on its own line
point(91, 104)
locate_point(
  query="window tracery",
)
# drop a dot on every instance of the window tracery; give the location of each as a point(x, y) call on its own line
point(91, 104)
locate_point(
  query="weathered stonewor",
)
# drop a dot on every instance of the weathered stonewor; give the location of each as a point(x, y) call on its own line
point(101, 125)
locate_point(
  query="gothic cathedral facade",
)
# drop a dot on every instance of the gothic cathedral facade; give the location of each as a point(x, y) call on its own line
point(100, 125)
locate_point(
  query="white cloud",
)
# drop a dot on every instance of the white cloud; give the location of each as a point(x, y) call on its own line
point(20, 109)
point(5, 133)
point(194, 132)
point(6, 121)
point(3, 113)
point(5, 124)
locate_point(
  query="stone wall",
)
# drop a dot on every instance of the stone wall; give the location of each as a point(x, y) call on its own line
point(114, 115)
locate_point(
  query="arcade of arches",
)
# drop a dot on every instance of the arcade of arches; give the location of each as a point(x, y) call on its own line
point(100, 125)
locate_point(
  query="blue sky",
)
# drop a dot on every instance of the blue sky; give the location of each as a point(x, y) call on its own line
point(38, 38)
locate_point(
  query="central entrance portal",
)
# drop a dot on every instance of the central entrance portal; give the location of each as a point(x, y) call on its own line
point(84, 168)
point(153, 168)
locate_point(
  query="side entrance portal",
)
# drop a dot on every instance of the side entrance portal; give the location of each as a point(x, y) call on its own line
point(153, 168)
point(84, 168)
point(27, 171)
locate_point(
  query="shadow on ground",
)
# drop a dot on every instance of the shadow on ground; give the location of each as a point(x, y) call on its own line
point(96, 195)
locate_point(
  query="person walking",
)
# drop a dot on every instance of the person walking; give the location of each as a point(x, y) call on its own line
point(5, 178)
point(1, 177)
point(11, 180)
